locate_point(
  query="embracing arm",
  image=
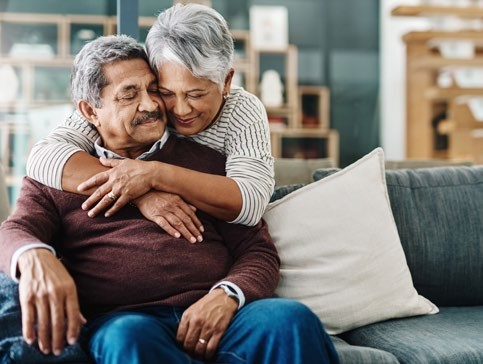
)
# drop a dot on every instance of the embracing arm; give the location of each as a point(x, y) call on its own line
point(52, 159)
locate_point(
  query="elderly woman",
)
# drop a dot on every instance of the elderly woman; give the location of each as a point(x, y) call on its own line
point(191, 49)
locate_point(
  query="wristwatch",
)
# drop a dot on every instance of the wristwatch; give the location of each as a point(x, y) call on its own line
point(230, 292)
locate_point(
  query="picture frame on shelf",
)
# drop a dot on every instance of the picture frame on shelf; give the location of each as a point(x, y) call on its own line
point(269, 27)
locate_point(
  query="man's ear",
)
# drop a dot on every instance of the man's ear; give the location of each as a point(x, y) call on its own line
point(88, 112)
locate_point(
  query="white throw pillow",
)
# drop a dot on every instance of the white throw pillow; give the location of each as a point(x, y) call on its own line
point(340, 249)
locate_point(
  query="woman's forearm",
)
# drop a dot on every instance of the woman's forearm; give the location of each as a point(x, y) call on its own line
point(217, 195)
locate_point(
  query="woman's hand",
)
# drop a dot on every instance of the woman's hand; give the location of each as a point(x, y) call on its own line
point(127, 180)
point(172, 214)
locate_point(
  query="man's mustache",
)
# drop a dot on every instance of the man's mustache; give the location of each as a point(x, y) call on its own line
point(146, 116)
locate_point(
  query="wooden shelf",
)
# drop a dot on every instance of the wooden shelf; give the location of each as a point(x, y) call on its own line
point(437, 93)
point(473, 12)
point(425, 101)
point(329, 139)
point(428, 35)
point(437, 62)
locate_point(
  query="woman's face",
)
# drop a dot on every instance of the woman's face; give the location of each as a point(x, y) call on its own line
point(192, 103)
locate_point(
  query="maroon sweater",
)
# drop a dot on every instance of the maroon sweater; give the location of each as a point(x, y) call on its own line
point(126, 261)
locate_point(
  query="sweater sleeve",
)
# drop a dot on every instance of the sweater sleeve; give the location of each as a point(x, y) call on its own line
point(249, 160)
point(48, 157)
point(34, 221)
point(256, 264)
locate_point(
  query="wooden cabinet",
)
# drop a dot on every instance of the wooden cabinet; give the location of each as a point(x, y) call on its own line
point(434, 125)
point(300, 127)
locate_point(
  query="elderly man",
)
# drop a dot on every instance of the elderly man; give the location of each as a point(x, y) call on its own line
point(147, 297)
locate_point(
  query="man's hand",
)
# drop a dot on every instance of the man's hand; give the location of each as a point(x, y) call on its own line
point(127, 180)
point(48, 298)
point(204, 323)
point(172, 214)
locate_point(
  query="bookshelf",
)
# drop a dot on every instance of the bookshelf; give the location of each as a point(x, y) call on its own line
point(433, 113)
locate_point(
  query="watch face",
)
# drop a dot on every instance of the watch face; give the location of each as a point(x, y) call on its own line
point(229, 291)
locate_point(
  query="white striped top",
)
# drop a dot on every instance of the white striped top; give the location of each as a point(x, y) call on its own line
point(241, 133)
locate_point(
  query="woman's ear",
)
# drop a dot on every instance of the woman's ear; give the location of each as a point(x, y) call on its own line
point(228, 79)
point(88, 112)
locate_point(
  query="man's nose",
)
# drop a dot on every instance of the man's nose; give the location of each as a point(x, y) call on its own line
point(148, 103)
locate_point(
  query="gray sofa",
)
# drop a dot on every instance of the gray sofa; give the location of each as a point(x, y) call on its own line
point(439, 216)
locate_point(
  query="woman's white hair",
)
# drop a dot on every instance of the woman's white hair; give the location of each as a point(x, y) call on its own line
point(194, 36)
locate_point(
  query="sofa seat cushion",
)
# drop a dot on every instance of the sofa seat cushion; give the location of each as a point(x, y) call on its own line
point(352, 354)
point(452, 336)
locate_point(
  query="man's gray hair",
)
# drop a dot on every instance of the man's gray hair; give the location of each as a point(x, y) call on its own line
point(194, 36)
point(87, 77)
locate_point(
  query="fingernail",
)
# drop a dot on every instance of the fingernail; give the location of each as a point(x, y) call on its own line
point(177, 235)
point(57, 352)
point(90, 214)
point(193, 239)
point(202, 228)
point(84, 207)
point(71, 340)
point(200, 239)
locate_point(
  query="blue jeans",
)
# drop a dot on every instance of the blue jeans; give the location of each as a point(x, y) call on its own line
point(265, 331)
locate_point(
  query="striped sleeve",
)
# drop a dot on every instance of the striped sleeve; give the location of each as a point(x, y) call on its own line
point(249, 159)
point(48, 156)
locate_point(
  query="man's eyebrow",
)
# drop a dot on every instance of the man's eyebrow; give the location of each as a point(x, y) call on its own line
point(128, 88)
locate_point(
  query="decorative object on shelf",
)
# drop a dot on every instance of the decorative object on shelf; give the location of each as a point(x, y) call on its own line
point(202, 2)
point(476, 106)
point(269, 27)
point(462, 49)
point(271, 89)
point(9, 82)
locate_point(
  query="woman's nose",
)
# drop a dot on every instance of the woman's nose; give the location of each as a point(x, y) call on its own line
point(181, 107)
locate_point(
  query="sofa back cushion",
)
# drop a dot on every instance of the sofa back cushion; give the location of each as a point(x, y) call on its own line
point(439, 217)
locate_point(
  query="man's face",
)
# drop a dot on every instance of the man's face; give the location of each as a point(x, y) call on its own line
point(132, 115)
